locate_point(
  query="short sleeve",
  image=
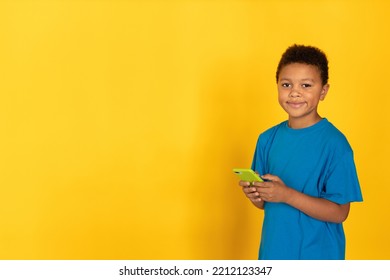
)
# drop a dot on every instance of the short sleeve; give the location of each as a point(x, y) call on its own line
point(256, 161)
point(259, 156)
point(342, 184)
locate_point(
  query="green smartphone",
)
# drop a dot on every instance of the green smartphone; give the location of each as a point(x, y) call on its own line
point(247, 174)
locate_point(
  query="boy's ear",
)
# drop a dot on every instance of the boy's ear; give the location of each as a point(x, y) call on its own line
point(324, 91)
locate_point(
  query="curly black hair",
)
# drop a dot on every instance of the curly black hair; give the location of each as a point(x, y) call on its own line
point(307, 55)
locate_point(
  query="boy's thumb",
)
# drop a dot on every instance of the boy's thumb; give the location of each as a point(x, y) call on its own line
point(270, 177)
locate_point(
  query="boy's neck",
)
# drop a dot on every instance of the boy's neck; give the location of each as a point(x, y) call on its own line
point(298, 123)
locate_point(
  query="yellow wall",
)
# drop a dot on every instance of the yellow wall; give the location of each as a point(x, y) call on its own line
point(120, 122)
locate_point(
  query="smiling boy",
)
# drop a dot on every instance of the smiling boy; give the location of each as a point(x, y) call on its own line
point(308, 167)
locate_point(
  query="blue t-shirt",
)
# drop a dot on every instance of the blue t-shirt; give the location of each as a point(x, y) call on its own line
point(317, 161)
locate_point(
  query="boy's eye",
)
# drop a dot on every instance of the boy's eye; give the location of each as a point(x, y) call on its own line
point(285, 85)
point(306, 85)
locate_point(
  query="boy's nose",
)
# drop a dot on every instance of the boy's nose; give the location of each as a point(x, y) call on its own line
point(294, 92)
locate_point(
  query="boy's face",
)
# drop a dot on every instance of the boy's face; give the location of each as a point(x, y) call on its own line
point(300, 89)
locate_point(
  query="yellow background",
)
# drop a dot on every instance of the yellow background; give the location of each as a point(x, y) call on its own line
point(121, 121)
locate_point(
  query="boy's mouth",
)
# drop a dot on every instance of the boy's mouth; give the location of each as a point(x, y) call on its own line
point(295, 105)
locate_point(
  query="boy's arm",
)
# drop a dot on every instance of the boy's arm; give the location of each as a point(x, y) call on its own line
point(318, 208)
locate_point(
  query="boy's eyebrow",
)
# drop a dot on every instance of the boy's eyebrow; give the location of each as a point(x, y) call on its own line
point(302, 80)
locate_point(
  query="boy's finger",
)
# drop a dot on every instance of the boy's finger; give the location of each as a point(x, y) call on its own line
point(244, 183)
point(258, 184)
point(249, 190)
point(270, 177)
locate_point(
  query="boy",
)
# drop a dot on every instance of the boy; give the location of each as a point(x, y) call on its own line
point(308, 167)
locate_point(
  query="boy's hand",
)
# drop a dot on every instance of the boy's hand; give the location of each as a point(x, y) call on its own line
point(251, 192)
point(272, 190)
